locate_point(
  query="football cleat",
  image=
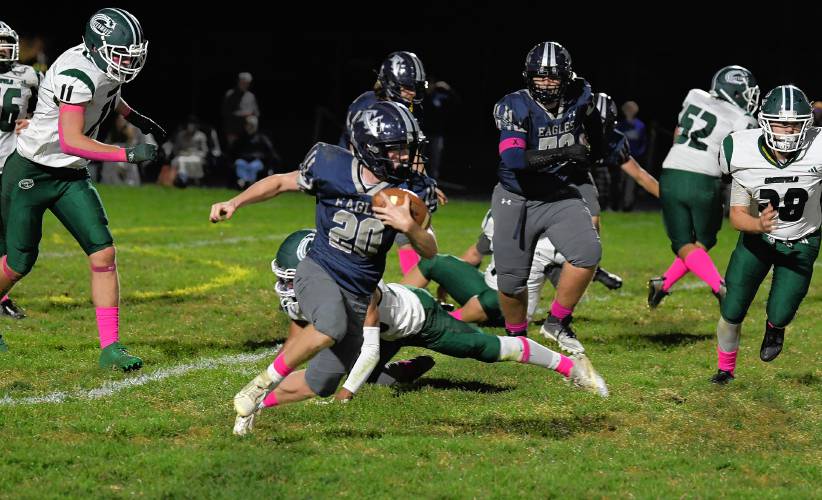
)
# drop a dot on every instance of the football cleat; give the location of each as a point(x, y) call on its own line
point(610, 280)
point(720, 294)
point(722, 377)
point(771, 343)
point(655, 291)
point(409, 370)
point(584, 376)
point(116, 356)
point(248, 399)
point(562, 334)
point(243, 426)
point(9, 308)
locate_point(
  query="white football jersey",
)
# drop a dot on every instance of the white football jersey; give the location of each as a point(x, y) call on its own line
point(72, 79)
point(793, 188)
point(401, 311)
point(545, 256)
point(703, 122)
point(17, 85)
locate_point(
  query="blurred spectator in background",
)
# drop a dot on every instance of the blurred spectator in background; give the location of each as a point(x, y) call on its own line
point(125, 135)
point(440, 104)
point(238, 104)
point(33, 52)
point(623, 187)
point(253, 154)
point(189, 152)
point(817, 113)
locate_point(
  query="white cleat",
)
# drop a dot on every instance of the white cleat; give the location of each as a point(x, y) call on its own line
point(561, 333)
point(243, 426)
point(584, 376)
point(248, 399)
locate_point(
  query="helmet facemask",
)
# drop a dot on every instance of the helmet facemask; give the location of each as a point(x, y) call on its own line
point(123, 63)
point(547, 96)
point(389, 161)
point(785, 143)
point(9, 47)
point(284, 286)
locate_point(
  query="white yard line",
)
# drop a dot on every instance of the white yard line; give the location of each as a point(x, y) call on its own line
point(110, 388)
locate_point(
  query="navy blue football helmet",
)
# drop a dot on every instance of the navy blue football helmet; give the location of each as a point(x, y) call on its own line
point(383, 127)
point(607, 111)
point(552, 60)
point(402, 69)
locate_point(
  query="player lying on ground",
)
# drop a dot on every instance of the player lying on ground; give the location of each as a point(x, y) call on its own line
point(336, 279)
point(775, 197)
point(408, 316)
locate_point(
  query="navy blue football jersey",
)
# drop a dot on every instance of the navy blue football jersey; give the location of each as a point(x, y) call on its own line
point(518, 114)
point(617, 149)
point(351, 243)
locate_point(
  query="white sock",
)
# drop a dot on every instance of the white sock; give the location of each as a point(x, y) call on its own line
point(514, 349)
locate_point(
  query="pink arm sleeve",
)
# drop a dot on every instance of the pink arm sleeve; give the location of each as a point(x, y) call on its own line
point(65, 147)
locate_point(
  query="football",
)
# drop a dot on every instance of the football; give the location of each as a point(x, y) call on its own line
point(419, 212)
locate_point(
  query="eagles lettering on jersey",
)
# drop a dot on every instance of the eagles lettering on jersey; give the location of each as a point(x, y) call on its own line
point(72, 79)
point(18, 87)
point(351, 243)
point(793, 188)
point(703, 122)
point(544, 130)
point(617, 149)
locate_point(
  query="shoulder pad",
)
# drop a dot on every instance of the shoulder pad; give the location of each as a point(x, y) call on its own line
point(511, 112)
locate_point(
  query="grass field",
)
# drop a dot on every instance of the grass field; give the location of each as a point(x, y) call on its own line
point(199, 307)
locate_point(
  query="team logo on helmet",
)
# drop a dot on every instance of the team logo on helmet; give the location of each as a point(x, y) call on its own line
point(736, 76)
point(302, 248)
point(396, 64)
point(372, 120)
point(102, 24)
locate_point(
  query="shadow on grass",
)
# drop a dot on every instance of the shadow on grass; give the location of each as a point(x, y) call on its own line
point(669, 339)
point(453, 385)
point(559, 427)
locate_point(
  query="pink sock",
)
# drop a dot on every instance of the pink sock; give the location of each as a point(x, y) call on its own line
point(564, 366)
point(700, 263)
point(408, 259)
point(108, 325)
point(674, 273)
point(726, 360)
point(280, 367)
point(270, 400)
point(559, 311)
point(5, 297)
point(516, 327)
point(456, 314)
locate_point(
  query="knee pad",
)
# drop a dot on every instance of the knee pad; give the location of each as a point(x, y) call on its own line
point(512, 285)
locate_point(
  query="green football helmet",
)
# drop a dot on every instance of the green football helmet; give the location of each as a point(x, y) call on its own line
point(9, 45)
point(115, 42)
point(785, 104)
point(291, 252)
point(738, 86)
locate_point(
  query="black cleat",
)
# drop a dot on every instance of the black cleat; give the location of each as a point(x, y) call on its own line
point(523, 333)
point(771, 343)
point(722, 377)
point(655, 291)
point(9, 308)
point(610, 280)
point(409, 370)
point(720, 295)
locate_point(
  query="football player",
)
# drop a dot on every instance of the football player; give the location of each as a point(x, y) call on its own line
point(775, 197)
point(690, 181)
point(400, 79)
point(542, 131)
point(335, 281)
point(48, 168)
point(408, 316)
point(18, 96)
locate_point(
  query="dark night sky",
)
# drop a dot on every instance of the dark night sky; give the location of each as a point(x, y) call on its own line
point(320, 58)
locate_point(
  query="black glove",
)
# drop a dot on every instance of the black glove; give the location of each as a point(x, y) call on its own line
point(147, 126)
point(141, 153)
point(551, 160)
